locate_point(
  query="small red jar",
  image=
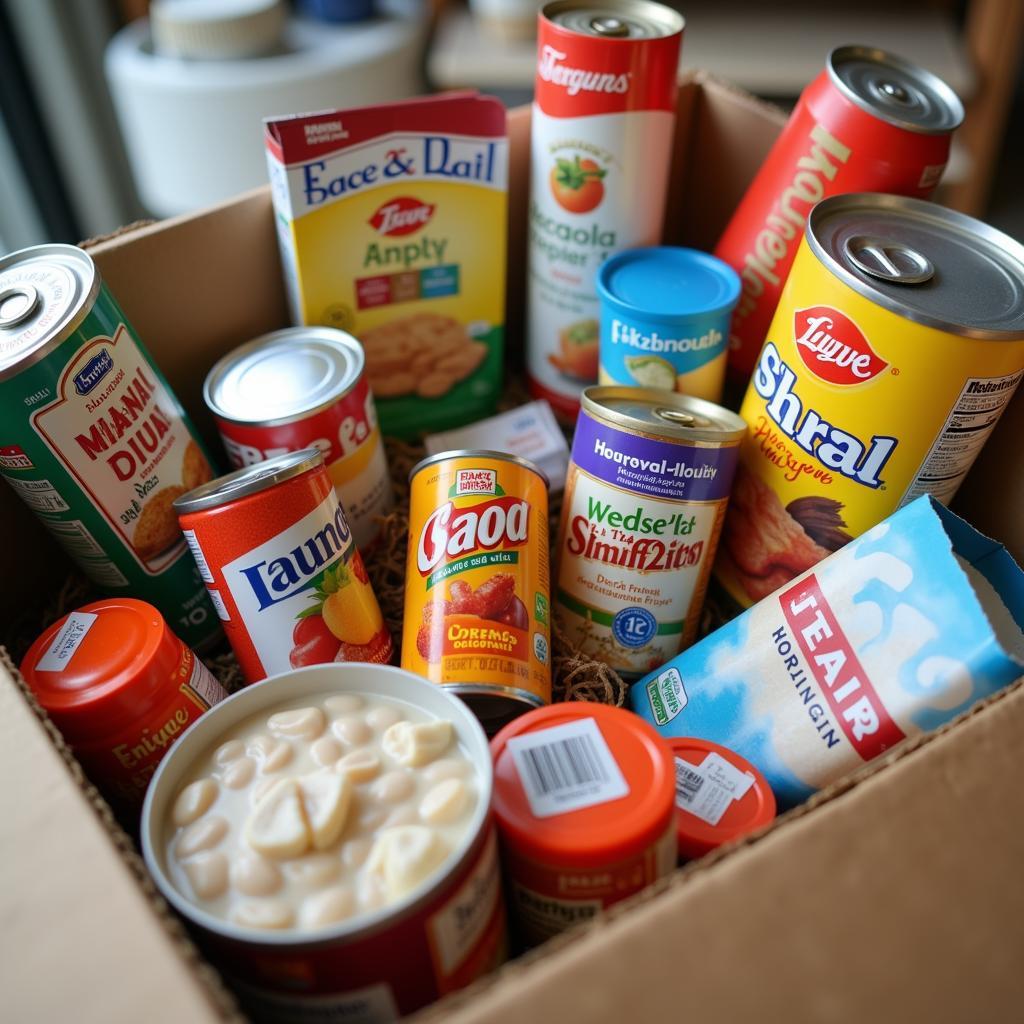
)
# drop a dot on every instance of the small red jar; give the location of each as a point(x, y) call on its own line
point(720, 796)
point(121, 688)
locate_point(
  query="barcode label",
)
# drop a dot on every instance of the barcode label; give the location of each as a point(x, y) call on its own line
point(39, 495)
point(197, 554)
point(566, 768)
point(707, 790)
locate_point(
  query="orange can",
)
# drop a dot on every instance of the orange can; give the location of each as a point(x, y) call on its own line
point(477, 613)
point(584, 798)
point(121, 688)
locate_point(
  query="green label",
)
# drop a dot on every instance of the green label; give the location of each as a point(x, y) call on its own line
point(666, 695)
point(540, 608)
point(472, 562)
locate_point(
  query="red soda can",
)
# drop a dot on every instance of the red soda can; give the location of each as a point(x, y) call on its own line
point(278, 559)
point(869, 122)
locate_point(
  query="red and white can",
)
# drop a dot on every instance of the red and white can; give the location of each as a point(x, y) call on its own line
point(870, 122)
point(601, 142)
point(299, 388)
point(279, 561)
point(121, 688)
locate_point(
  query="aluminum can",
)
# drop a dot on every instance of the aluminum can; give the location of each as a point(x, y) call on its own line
point(281, 566)
point(92, 438)
point(299, 388)
point(870, 122)
point(379, 964)
point(601, 142)
point(665, 319)
point(477, 589)
point(896, 346)
point(121, 688)
point(645, 499)
point(584, 798)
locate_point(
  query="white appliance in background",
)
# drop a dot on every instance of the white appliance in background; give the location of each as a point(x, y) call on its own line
point(193, 127)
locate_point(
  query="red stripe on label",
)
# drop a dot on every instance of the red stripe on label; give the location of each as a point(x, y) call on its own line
point(837, 670)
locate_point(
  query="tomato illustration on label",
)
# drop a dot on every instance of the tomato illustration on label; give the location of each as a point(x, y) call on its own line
point(577, 184)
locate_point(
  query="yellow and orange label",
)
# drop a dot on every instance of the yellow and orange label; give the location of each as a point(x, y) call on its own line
point(853, 411)
point(477, 588)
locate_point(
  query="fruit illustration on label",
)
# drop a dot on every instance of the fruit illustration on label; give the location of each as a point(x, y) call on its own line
point(577, 185)
point(579, 345)
point(652, 372)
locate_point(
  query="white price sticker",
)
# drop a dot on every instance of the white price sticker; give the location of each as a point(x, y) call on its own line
point(707, 790)
point(66, 642)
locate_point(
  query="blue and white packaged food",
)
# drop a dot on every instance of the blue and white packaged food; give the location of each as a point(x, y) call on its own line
point(892, 635)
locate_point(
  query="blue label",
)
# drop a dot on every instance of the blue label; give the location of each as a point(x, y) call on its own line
point(634, 627)
point(93, 372)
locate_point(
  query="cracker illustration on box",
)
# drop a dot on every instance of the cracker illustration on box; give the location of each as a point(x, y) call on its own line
point(392, 226)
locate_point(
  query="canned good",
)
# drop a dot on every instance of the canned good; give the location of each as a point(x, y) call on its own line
point(92, 438)
point(584, 802)
point(644, 503)
point(665, 319)
point(121, 688)
point(897, 344)
point(307, 929)
point(870, 122)
point(601, 143)
point(477, 615)
point(299, 388)
point(720, 796)
point(274, 547)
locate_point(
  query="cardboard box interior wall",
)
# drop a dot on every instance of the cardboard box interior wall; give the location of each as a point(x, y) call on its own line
point(895, 895)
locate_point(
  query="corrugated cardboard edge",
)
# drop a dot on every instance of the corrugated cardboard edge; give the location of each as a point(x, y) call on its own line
point(210, 989)
point(552, 980)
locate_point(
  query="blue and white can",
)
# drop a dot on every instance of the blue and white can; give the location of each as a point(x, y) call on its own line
point(892, 635)
point(665, 315)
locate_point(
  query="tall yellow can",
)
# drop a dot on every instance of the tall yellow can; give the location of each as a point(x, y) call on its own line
point(896, 345)
point(477, 590)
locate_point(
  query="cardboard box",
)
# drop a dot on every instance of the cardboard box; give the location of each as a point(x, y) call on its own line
point(894, 895)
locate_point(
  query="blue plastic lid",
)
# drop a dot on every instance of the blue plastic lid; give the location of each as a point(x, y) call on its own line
point(668, 284)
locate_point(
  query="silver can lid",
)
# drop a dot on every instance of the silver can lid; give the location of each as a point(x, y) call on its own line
point(664, 413)
point(260, 476)
point(45, 293)
point(894, 90)
point(479, 453)
point(625, 19)
point(284, 376)
point(923, 262)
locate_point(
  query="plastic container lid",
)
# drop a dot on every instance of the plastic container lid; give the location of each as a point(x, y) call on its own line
point(615, 827)
point(216, 29)
point(668, 284)
point(108, 668)
point(708, 812)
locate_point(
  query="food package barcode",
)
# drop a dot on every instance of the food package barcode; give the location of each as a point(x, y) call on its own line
point(567, 764)
point(688, 782)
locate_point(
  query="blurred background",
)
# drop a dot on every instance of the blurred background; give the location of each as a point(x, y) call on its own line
point(113, 111)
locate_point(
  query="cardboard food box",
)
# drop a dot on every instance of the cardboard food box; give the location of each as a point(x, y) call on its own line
point(893, 895)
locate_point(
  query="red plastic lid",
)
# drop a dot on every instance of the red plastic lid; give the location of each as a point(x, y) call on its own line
point(708, 810)
point(102, 667)
point(597, 784)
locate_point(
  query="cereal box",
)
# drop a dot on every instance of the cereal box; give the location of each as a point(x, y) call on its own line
point(392, 226)
point(892, 635)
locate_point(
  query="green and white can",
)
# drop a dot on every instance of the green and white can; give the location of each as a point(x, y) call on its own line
point(92, 438)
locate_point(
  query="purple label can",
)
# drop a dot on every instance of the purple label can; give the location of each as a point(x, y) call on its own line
point(645, 498)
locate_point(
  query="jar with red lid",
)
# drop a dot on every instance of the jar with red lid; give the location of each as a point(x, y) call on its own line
point(584, 798)
point(720, 796)
point(121, 688)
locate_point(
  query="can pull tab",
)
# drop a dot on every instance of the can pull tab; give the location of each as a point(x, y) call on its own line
point(17, 305)
point(682, 418)
point(610, 26)
point(888, 261)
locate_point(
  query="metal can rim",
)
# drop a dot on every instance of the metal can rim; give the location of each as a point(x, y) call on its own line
point(590, 402)
point(485, 453)
point(354, 929)
point(341, 339)
point(939, 87)
point(876, 201)
point(672, 20)
point(77, 314)
point(249, 480)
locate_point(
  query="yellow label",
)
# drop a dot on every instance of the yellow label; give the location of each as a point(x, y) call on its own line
point(853, 412)
point(394, 229)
